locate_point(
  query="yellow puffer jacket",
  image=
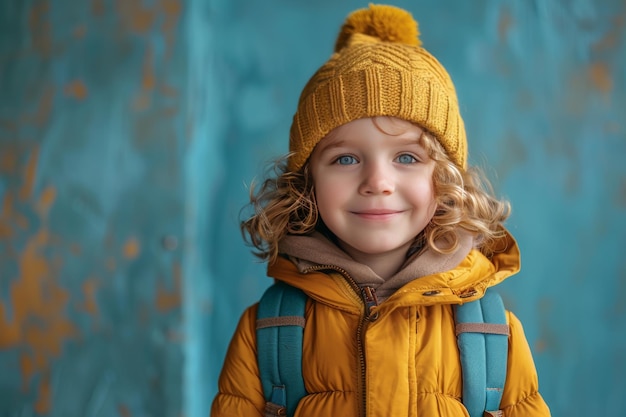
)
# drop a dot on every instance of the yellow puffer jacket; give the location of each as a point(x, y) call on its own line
point(402, 361)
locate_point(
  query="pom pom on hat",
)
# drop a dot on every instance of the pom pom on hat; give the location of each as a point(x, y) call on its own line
point(379, 68)
point(387, 23)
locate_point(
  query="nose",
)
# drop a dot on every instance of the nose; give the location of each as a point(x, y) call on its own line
point(377, 179)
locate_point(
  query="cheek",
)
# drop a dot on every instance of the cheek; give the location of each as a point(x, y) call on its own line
point(332, 195)
point(424, 196)
point(325, 194)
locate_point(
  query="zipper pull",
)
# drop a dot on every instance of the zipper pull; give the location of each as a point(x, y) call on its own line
point(370, 300)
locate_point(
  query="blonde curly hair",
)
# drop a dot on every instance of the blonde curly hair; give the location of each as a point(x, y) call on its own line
point(285, 204)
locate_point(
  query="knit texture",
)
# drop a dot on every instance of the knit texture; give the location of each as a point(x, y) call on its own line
point(378, 69)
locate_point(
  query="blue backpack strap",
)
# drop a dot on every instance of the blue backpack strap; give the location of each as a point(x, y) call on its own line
point(280, 329)
point(483, 337)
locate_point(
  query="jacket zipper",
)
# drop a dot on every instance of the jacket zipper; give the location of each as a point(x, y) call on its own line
point(370, 302)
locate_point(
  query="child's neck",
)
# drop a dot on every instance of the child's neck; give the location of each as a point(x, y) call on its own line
point(385, 265)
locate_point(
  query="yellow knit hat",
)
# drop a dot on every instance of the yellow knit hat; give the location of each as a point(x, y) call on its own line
point(378, 69)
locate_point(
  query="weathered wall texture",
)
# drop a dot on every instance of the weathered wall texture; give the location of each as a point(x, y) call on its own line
point(91, 153)
point(129, 130)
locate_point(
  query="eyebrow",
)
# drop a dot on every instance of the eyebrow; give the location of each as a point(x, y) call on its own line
point(338, 143)
point(332, 143)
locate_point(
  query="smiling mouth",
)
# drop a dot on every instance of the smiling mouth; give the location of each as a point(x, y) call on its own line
point(376, 214)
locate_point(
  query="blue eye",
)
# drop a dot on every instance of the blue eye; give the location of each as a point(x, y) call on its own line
point(405, 158)
point(346, 160)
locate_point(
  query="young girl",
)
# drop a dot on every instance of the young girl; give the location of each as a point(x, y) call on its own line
point(378, 219)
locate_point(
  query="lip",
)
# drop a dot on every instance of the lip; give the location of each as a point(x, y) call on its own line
point(376, 214)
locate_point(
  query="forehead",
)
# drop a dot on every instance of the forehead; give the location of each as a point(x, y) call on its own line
point(388, 126)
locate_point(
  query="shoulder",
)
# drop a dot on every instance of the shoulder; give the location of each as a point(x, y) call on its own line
point(521, 395)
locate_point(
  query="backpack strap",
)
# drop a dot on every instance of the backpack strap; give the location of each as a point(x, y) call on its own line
point(279, 330)
point(483, 336)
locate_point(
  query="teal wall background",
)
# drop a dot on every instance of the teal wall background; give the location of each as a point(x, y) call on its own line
point(129, 131)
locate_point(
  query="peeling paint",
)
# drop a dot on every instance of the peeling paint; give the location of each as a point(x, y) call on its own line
point(124, 411)
point(148, 79)
point(610, 41)
point(40, 28)
point(87, 295)
point(42, 405)
point(547, 336)
point(80, 32)
point(600, 77)
point(504, 23)
point(143, 99)
point(169, 299)
point(135, 17)
point(43, 110)
point(98, 7)
point(76, 89)
point(29, 176)
point(131, 248)
point(8, 161)
point(90, 286)
point(81, 303)
point(171, 15)
point(111, 264)
point(34, 316)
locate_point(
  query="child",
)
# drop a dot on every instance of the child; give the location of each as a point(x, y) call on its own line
point(378, 219)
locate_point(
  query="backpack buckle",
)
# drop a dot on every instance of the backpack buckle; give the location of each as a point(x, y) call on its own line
point(274, 410)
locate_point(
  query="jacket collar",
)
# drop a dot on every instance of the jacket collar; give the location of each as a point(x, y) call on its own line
point(315, 250)
point(457, 283)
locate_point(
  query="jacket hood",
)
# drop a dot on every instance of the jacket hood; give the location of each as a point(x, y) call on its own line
point(315, 250)
point(334, 285)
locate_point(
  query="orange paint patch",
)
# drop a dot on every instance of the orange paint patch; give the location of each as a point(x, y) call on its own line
point(97, 7)
point(168, 91)
point(44, 108)
point(90, 286)
point(29, 365)
point(42, 406)
point(6, 217)
point(46, 199)
point(33, 316)
point(80, 32)
point(171, 7)
point(134, 16)
point(504, 24)
point(76, 89)
point(40, 28)
point(148, 79)
point(123, 410)
point(540, 346)
point(111, 264)
point(611, 39)
point(76, 249)
point(38, 320)
point(168, 300)
point(6, 231)
point(8, 161)
point(27, 174)
point(9, 330)
point(141, 102)
point(131, 248)
point(30, 173)
point(600, 77)
point(171, 10)
point(8, 125)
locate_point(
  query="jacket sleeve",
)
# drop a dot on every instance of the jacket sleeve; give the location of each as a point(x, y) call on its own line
point(239, 386)
point(521, 396)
